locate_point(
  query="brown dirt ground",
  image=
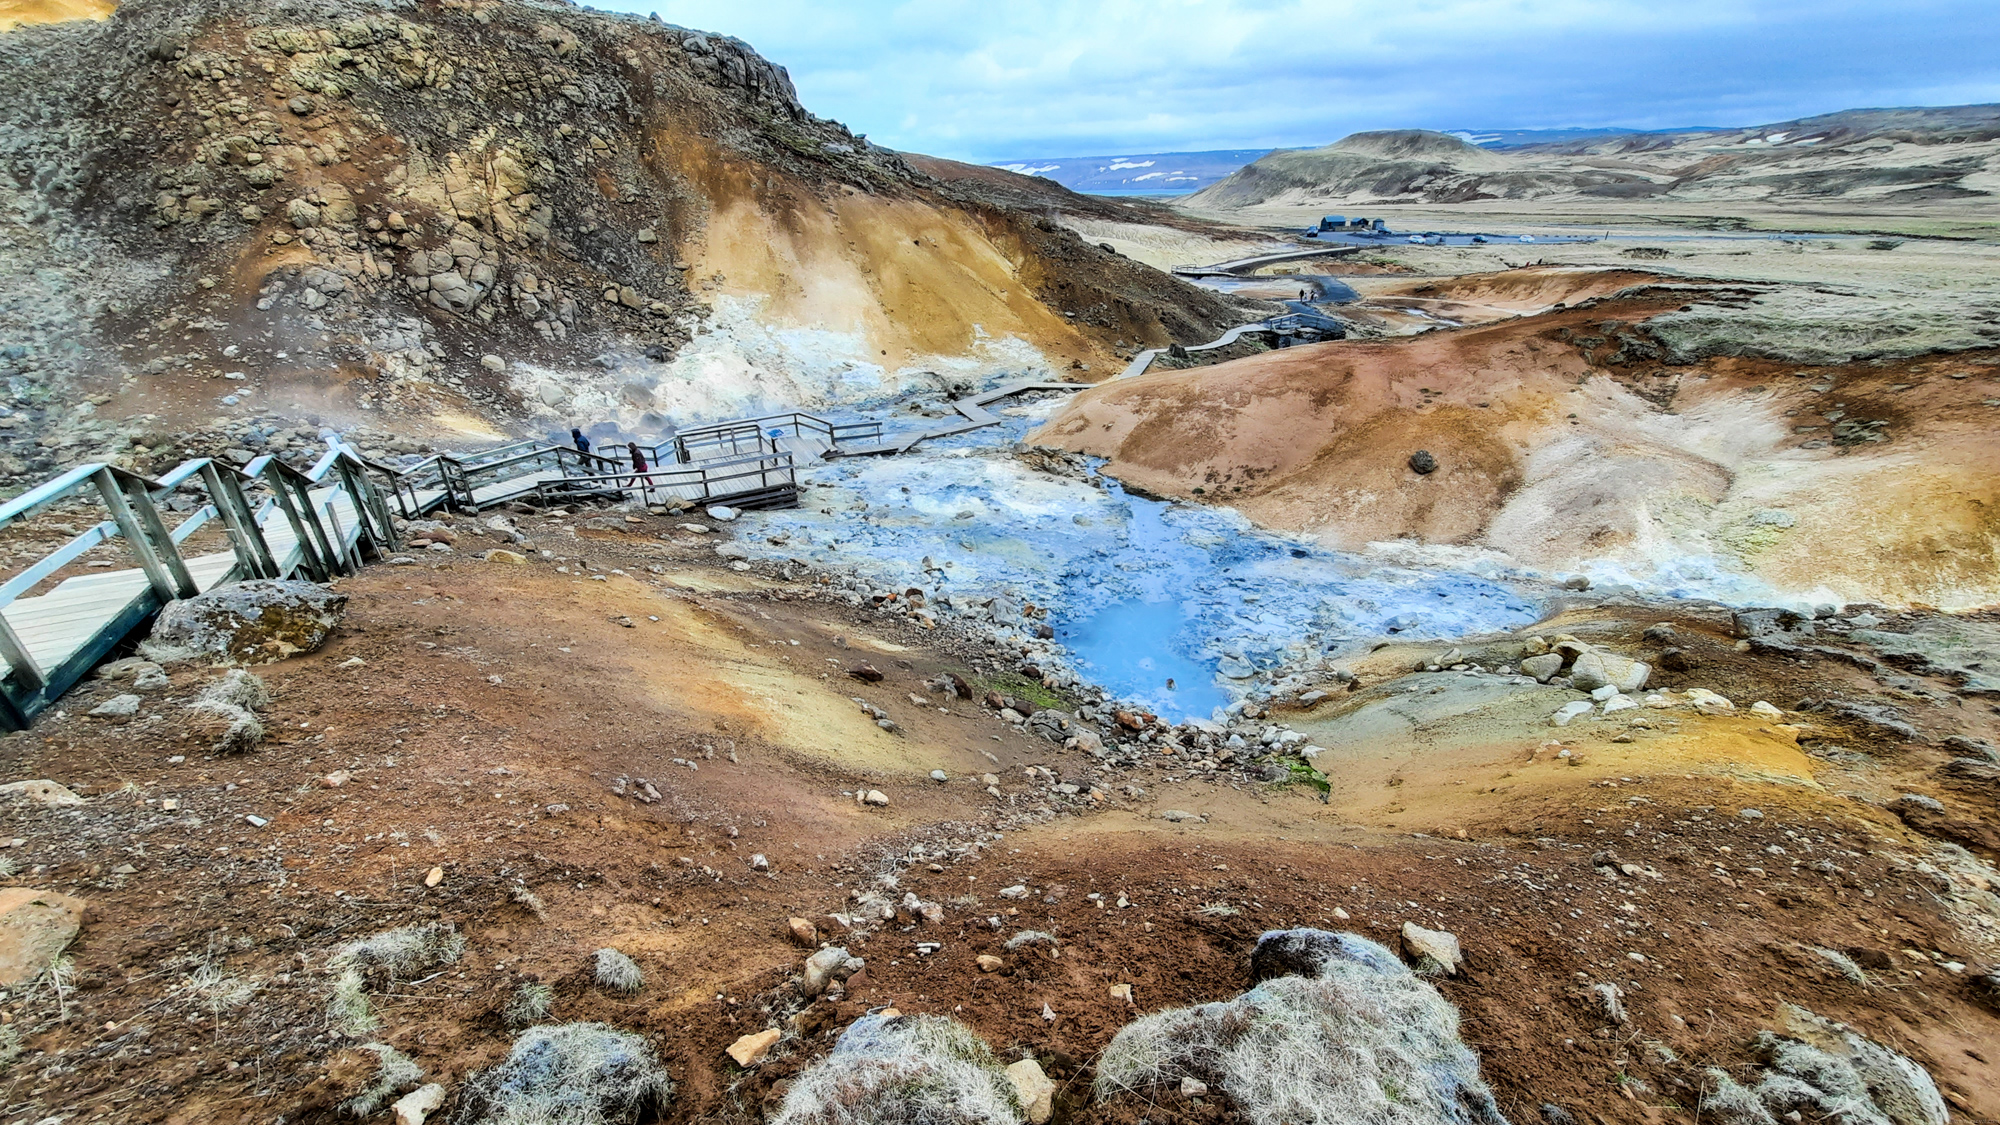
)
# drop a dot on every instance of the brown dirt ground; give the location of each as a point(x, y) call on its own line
point(493, 707)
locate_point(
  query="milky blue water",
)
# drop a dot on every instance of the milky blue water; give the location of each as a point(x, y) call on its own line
point(1139, 592)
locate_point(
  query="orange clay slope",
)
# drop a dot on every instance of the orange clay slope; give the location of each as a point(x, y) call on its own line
point(1557, 448)
point(19, 13)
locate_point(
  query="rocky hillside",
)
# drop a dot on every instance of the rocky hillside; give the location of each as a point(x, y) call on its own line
point(1891, 156)
point(474, 218)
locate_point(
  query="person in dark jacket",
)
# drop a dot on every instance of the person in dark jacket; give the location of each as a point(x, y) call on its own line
point(638, 462)
point(582, 443)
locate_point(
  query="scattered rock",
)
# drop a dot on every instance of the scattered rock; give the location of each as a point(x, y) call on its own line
point(1423, 463)
point(866, 672)
point(35, 927)
point(41, 792)
point(413, 1107)
point(1427, 947)
point(1033, 1089)
point(989, 964)
point(825, 967)
point(117, 707)
point(721, 512)
point(1544, 667)
point(875, 797)
point(510, 558)
point(1192, 1087)
point(802, 931)
point(751, 1049)
point(1569, 711)
point(1677, 660)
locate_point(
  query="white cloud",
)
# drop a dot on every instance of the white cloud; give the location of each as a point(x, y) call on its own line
point(1038, 78)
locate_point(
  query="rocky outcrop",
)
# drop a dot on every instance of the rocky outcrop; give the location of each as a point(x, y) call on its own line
point(247, 623)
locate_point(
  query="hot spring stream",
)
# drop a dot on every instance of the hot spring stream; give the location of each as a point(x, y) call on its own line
point(1141, 593)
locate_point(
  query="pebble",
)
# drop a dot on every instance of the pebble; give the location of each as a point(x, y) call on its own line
point(255, 821)
point(1192, 1087)
point(989, 963)
point(435, 877)
point(875, 797)
point(758, 862)
point(940, 776)
point(1122, 992)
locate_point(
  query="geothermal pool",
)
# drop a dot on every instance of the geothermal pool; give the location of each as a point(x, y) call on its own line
point(1140, 592)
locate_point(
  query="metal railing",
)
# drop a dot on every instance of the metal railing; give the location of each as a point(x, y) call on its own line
point(754, 435)
point(135, 505)
point(712, 481)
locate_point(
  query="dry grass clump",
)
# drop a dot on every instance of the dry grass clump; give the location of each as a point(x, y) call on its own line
point(397, 953)
point(1362, 1040)
point(1830, 1073)
point(618, 972)
point(569, 1074)
point(226, 710)
point(237, 688)
point(903, 1070)
point(395, 1074)
point(532, 1003)
point(411, 949)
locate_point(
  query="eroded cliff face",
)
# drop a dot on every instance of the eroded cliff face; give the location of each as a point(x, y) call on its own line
point(1571, 439)
point(483, 217)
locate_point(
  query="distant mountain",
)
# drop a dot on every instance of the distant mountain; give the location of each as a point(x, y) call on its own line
point(1152, 173)
point(1521, 138)
point(1856, 157)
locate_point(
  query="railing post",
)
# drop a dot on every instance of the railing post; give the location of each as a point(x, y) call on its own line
point(19, 659)
point(282, 492)
point(251, 551)
point(169, 582)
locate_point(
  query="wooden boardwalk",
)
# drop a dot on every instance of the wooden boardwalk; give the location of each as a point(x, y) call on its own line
point(314, 524)
point(326, 521)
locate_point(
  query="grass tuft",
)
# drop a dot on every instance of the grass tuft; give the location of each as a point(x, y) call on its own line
point(569, 1074)
point(395, 1073)
point(618, 972)
point(531, 1004)
point(903, 1070)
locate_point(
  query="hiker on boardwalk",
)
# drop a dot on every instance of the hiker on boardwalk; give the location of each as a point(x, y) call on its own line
point(638, 461)
point(582, 443)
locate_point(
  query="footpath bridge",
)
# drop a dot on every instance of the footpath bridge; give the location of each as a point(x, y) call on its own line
point(1243, 267)
point(72, 607)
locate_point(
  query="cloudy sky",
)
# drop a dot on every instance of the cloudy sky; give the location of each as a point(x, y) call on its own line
point(999, 79)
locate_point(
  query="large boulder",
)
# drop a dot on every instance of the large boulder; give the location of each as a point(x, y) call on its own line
point(247, 623)
point(35, 927)
point(1342, 1030)
point(1596, 669)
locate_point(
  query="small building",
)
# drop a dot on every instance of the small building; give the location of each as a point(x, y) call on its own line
point(1333, 222)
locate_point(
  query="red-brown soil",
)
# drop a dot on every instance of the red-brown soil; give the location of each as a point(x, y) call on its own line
point(494, 707)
